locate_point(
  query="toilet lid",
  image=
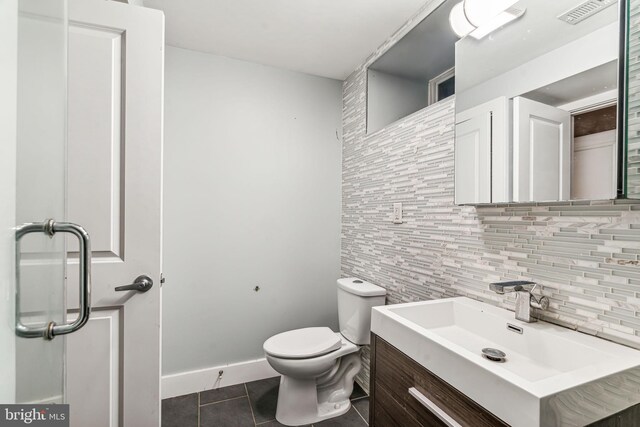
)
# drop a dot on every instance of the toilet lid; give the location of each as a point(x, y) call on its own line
point(303, 343)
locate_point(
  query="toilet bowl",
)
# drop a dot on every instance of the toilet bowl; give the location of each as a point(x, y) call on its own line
point(314, 388)
point(318, 366)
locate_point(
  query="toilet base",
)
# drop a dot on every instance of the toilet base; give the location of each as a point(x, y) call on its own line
point(308, 401)
point(331, 410)
point(298, 404)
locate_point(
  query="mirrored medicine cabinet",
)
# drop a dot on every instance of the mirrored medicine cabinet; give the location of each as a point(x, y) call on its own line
point(541, 107)
point(547, 106)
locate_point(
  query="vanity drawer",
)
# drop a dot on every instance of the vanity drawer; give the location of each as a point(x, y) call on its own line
point(399, 381)
point(388, 412)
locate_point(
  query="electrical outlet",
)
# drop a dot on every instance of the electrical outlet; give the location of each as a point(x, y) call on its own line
point(397, 213)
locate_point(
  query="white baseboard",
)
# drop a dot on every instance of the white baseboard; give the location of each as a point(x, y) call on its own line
point(207, 379)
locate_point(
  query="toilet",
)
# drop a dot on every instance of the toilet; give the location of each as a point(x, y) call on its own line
point(318, 366)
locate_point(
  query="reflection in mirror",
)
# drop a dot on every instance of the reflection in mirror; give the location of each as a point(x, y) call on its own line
point(633, 100)
point(540, 96)
point(415, 72)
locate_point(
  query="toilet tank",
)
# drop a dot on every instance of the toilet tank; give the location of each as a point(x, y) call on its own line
point(356, 297)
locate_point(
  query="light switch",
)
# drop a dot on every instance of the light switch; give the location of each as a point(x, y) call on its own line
point(397, 213)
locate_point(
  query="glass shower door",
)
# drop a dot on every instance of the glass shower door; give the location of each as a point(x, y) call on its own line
point(40, 195)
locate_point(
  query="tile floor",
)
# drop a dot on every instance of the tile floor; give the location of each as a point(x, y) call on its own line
point(248, 405)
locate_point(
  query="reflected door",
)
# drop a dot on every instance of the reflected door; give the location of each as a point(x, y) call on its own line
point(593, 174)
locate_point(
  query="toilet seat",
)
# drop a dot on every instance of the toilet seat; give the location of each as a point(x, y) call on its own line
point(303, 343)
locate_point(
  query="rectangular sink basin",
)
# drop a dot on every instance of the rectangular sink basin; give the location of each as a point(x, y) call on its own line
point(551, 376)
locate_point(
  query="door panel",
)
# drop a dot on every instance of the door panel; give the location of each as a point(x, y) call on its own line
point(95, 137)
point(115, 188)
point(545, 154)
point(542, 152)
point(473, 160)
point(93, 353)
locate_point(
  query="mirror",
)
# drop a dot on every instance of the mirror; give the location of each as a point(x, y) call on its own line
point(537, 106)
point(632, 116)
point(415, 72)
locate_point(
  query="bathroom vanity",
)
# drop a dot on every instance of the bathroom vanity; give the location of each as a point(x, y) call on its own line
point(428, 369)
point(405, 393)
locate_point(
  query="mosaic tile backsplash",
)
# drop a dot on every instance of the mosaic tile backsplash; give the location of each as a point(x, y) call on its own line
point(585, 255)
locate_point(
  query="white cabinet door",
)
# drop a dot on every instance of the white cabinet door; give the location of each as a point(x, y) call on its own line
point(541, 152)
point(473, 160)
point(483, 176)
point(115, 191)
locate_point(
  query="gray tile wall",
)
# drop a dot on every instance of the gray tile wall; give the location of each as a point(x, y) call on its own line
point(585, 255)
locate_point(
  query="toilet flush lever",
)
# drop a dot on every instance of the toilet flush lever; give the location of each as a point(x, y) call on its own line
point(141, 284)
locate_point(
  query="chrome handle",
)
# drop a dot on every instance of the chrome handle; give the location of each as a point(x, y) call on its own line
point(435, 409)
point(50, 227)
point(141, 284)
point(541, 303)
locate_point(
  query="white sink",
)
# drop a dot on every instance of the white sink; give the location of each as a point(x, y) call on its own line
point(551, 375)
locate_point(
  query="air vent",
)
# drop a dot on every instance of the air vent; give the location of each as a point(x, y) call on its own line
point(584, 10)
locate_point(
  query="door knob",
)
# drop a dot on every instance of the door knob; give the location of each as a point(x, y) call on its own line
point(141, 284)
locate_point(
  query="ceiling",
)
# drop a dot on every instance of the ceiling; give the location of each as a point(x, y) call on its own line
point(597, 80)
point(328, 38)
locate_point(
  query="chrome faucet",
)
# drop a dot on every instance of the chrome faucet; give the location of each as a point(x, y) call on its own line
point(525, 300)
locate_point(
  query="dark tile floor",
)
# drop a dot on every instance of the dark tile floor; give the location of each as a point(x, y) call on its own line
point(248, 405)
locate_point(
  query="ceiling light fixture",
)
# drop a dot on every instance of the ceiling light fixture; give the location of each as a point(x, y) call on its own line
point(479, 18)
point(480, 12)
point(459, 22)
point(500, 20)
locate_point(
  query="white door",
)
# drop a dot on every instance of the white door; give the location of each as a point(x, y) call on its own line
point(114, 190)
point(473, 160)
point(594, 166)
point(541, 152)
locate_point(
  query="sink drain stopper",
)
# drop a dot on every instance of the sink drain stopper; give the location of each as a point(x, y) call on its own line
point(494, 354)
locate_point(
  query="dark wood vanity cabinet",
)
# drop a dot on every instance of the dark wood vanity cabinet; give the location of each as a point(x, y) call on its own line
point(392, 403)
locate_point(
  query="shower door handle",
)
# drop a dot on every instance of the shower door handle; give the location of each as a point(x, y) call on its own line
point(141, 284)
point(50, 228)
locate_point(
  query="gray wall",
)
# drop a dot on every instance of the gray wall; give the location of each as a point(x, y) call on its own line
point(252, 198)
point(392, 97)
point(585, 255)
